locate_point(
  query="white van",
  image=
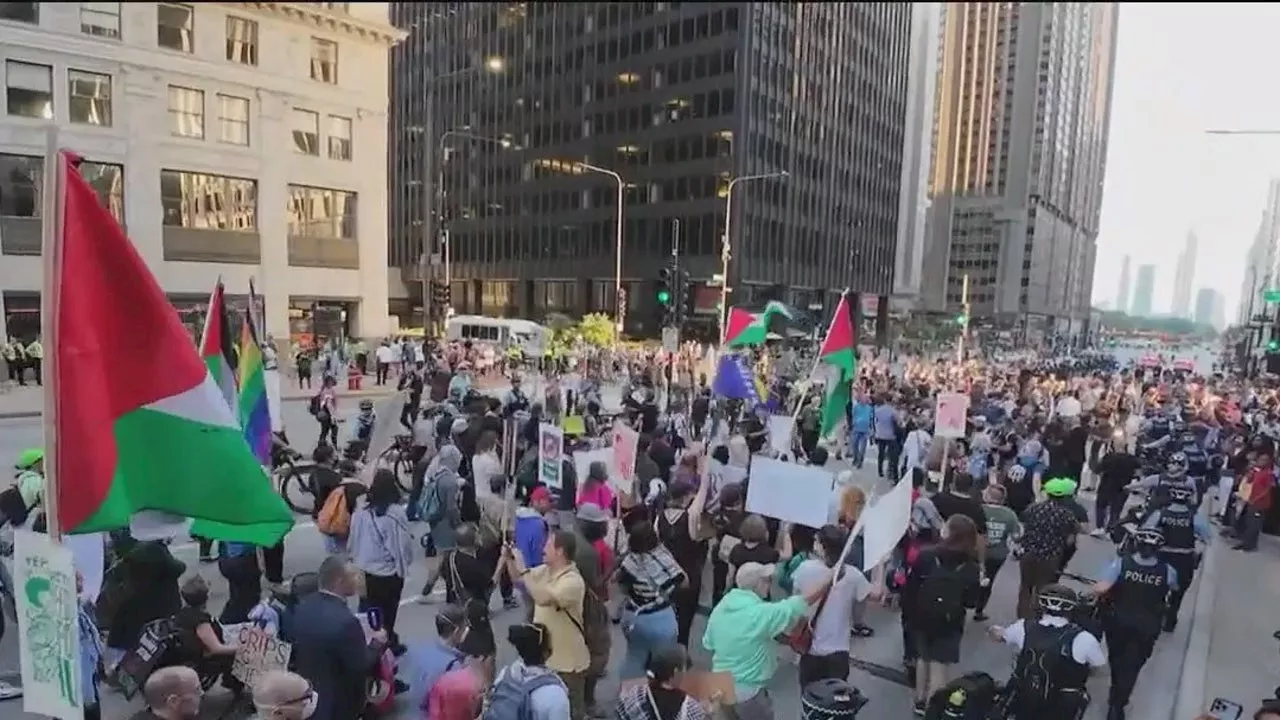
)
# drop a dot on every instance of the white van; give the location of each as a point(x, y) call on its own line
point(529, 336)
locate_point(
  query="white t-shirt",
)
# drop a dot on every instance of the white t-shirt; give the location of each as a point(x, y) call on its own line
point(1085, 648)
point(832, 630)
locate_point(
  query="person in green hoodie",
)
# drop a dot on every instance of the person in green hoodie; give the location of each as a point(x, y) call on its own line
point(740, 633)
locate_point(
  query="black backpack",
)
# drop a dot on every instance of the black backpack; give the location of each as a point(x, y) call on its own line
point(12, 507)
point(940, 602)
point(314, 406)
point(972, 696)
point(1042, 666)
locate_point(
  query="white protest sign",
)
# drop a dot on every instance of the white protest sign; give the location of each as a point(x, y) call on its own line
point(257, 652)
point(550, 455)
point(625, 443)
point(884, 523)
point(780, 429)
point(386, 425)
point(950, 415)
point(786, 491)
point(48, 626)
point(271, 380)
point(582, 460)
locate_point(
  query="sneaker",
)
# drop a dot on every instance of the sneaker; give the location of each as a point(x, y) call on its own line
point(979, 616)
point(510, 603)
point(920, 708)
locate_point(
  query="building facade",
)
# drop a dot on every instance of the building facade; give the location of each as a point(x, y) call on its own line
point(1023, 113)
point(677, 107)
point(1183, 278)
point(1144, 289)
point(231, 140)
point(1210, 308)
point(1122, 294)
point(1260, 271)
point(917, 151)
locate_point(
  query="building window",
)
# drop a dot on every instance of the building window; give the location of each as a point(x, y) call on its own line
point(186, 112)
point(242, 41)
point(339, 138)
point(100, 19)
point(233, 120)
point(321, 213)
point(20, 12)
point(334, 6)
point(21, 184)
point(306, 132)
point(107, 179)
point(29, 90)
point(89, 98)
point(324, 61)
point(200, 201)
point(175, 26)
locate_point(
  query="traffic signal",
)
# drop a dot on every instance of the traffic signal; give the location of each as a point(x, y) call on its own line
point(962, 320)
point(689, 307)
point(1273, 345)
point(441, 295)
point(664, 295)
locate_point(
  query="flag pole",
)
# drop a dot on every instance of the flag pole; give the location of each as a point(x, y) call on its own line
point(52, 207)
point(804, 394)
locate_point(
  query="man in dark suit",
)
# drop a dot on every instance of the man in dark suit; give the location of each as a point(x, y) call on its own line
point(329, 647)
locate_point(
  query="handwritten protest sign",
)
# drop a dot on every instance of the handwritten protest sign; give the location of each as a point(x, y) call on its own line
point(550, 455)
point(951, 414)
point(625, 442)
point(257, 652)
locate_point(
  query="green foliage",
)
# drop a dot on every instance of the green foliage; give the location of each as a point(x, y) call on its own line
point(1164, 325)
point(597, 330)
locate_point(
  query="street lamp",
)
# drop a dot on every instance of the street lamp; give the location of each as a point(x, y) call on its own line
point(617, 268)
point(495, 64)
point(725, 253)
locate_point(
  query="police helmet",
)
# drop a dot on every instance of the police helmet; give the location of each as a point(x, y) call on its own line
point(1017, 473)
point(1176, 465)
point(1179, 494)
point(1189, 438)
point(1058, 600)
point(1148, 538)
point(366, 404)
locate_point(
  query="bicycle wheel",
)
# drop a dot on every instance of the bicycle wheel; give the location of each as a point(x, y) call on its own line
point(394, 459)
point(297, 484)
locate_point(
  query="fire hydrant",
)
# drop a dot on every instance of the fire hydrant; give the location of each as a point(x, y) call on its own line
point(354, 378)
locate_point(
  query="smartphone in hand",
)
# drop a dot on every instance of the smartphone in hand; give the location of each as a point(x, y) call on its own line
point(374, 616)
point(1222, 709)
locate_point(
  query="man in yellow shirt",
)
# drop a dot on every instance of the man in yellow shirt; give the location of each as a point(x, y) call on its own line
point(558, 592)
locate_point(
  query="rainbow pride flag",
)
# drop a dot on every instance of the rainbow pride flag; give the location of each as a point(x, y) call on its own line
point(254, 414)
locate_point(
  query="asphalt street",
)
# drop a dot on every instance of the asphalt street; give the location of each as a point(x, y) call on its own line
point(879, 657)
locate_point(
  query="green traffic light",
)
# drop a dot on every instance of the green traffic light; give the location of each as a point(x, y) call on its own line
point(664, 296)
point(1273, 345)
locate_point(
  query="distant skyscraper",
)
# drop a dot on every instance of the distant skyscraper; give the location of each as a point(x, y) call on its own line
point(1122, 296)
point(1143, 289)
point(1183, 278)
point(1023, 110)
point(1210, 307)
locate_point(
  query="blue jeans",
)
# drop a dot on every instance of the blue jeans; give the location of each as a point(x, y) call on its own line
point(860, 447)
point(645, 634)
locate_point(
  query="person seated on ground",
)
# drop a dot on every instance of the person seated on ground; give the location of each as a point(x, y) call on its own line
point(200, 639)
point(171, 693)
point(282, 695)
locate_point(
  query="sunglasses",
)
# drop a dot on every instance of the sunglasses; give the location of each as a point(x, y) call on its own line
point(305, 697)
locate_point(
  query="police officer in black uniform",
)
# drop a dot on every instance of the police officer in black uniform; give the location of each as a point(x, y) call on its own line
point(1136, 588)
point(1055, 659)
point(1183, 529)
point(1197, 462)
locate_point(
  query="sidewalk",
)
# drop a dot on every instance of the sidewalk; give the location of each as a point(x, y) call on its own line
point(1232, 654)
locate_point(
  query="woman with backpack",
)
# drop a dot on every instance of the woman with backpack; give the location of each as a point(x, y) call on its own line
point(648, 576)
point(942, 584)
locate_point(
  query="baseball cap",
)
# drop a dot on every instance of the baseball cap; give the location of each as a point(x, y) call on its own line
point(540, 493)
point(753, 573)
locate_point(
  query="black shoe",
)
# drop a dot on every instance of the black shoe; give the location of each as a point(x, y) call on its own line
point(1170, 625)
point(1115, 712)
point(920, 708)
point(979, 616)
point(1246, 548)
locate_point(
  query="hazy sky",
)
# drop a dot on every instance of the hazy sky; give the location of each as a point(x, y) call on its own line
point(1182, 69)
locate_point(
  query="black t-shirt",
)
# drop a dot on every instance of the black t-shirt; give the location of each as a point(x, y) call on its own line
point(188, 621)
point(949, 504)
point(1116, 470)
point(764, 554)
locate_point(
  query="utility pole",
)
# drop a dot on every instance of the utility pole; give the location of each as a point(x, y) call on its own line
point(964, 318)
point(677, 297)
